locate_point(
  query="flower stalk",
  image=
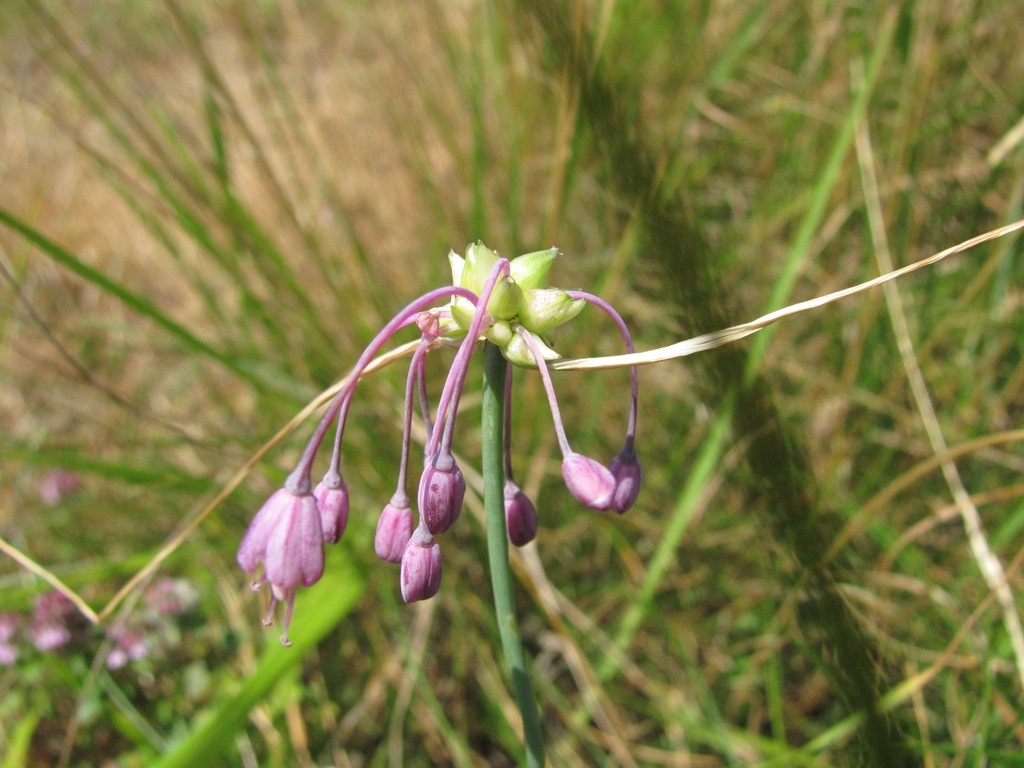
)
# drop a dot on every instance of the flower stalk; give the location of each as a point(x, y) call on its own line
point(497, 550)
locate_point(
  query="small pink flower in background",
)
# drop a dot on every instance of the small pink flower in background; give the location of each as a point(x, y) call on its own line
point(56, 486)
point(129, 645)
point(171, 596)
point(8, 650)
point(49, 629)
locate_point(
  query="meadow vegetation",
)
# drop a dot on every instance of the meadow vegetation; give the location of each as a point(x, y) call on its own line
point(208, 210)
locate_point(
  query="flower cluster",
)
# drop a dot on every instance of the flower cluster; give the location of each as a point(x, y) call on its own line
point(55, 624)
point(504, 303)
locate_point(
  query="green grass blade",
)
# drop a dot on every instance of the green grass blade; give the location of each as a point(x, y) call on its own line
point(316, 615)
point(820, 196)
point(136, 302)
point(20, 740)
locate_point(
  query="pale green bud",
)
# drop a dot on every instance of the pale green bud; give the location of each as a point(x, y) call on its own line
point(545, 308)
point(477, 267)
point(506, 299)
point(500, 334)
point(518, 352)
point(531, 269)
point(462, 312)
point(458, 264)
point(480, 260)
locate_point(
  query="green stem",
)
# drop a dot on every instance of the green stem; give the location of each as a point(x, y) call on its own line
point(497, 550)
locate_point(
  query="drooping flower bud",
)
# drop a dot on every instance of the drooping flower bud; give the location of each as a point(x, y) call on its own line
point(331, 496)
point(520, 515)
point(628, 473)
point(394, 529)
point(442, 489)
point(285, 536)
point(588, 481)
point(421, 567)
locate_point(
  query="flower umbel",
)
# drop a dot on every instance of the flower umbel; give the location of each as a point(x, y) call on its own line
point(505, 303)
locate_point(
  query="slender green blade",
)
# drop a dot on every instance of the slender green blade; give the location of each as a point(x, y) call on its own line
point(317, 611)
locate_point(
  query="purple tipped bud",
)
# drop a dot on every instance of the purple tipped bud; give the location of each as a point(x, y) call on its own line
point(394, 529)
point(332, 500)
point(520, 515)
point(441, 491)
point(628, 473)
point(285, 536)
point(588, 481)
point(421, 567)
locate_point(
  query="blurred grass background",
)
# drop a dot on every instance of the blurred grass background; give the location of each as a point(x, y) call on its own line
point(208, 210)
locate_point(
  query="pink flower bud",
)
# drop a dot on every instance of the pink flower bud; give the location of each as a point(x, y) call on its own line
point(441, 491)
point(628, 473)
point(520, 515)
point(588, 481)
point(421, 567)
point(331, 496)
point(285, 536)
point(394, 529)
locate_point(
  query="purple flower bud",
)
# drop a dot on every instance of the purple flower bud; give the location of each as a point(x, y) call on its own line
point(588, 481)
point(441, 491)
point(520, 515)
point(394, 529)
point(421, 567)
point(285, 536)
point(331, 496)
point(628, 473)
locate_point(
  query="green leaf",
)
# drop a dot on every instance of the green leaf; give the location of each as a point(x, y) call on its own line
point(315, 616)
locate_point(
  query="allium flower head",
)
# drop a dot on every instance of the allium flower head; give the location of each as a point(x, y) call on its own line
point(286, 538)
point(508, 304)
point(517, 299)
